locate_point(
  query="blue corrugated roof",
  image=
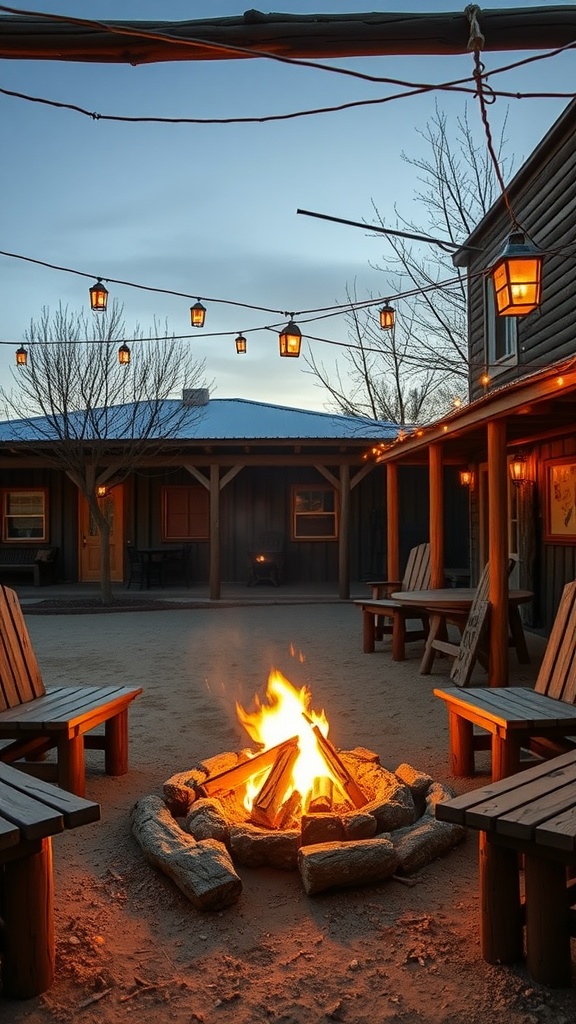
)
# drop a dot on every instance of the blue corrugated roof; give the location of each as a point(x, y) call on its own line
point(220, 419)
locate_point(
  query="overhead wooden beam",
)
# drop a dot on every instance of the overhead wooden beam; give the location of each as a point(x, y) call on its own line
point(310, 36)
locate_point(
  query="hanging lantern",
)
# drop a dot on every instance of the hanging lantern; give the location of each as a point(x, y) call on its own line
point(101, 491)
point(124, 354)
point(517, 277)
point(290, 340)
point(467, 478)
point(241, 344)
point(387, 316)
point(197, 314)
point(98, 297)
point(21, 356)
point(518, 469)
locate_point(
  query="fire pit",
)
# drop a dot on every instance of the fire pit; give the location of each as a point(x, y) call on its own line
point(340, 817)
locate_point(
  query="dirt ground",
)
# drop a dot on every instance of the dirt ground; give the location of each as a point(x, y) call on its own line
point(131, 947)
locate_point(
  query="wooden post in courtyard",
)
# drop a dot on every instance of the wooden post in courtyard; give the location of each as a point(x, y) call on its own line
point(436, 514)
point(498, 552)
point(214, 532)
point(392, 523)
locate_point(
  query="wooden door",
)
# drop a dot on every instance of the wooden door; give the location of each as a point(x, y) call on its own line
point(89, 539)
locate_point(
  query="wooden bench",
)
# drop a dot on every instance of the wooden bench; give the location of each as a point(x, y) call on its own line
point(532, 814)
point(37, 720)
point(375, 612)
point(31, 812)
point(542, 719)
point(39, 562)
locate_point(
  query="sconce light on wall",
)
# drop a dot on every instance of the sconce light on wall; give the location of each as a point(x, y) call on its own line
point(518, 469)
point(467, 478)
point(102, 491)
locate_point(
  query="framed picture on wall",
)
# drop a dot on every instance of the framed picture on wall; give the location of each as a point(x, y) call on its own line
point(561, 500)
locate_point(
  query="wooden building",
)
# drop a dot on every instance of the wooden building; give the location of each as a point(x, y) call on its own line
point(522, 416)
point(239, 470)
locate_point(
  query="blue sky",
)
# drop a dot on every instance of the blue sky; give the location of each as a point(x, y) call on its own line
point(210, 210)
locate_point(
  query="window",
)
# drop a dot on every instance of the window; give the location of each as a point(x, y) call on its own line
point(314, 513)
point(24, 515)
point(185, 513)
point(501, 333)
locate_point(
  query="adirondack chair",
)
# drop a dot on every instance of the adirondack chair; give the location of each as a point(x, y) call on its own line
point(515, 717)
point(37, 720)
point(377, 611)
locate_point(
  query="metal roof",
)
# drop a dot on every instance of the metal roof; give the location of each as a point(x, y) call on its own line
point(220, 419)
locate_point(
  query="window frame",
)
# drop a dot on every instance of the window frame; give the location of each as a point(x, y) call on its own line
point(298, 517)
point(498, 329)
point(7, 492)
point(204, 533)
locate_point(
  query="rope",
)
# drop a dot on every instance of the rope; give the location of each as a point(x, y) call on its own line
point(485, 97)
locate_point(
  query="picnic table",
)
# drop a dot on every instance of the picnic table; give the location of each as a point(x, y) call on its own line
point(532, 813)
point(31, 812)
point(453, 604)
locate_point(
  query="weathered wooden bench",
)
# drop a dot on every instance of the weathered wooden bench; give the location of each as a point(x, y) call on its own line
point(533, 814)
point(542, 719)
point(37, 720)
point(31, 812)
point(38, 562)
point(375, 612)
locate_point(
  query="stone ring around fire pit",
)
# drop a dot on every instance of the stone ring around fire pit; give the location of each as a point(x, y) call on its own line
point(196, 839)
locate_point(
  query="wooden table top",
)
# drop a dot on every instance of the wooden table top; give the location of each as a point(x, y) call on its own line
point(452, 597)
point(33, 809)
point(537, 805)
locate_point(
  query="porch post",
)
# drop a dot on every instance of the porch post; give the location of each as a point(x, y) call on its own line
point(214, 532)
point(436, 516)
point(344, 534)
point(392, 523)
point(498, 552)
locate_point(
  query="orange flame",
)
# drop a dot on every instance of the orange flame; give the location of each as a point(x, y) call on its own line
point(288, 713)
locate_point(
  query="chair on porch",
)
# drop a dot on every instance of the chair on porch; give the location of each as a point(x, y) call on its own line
point(266, 559)
point(142, 570)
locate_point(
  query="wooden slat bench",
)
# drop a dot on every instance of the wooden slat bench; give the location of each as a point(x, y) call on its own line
point(543, 719)
point(533, 814)
point(376, 611)
point(38, 562)
point(31, 812)
point(37, 720)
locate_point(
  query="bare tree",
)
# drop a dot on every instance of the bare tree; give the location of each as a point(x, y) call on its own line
point(414, 372)
point(90, 416)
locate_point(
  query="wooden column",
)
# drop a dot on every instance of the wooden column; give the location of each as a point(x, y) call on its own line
point(436, 514)
point(344, 534)
point(498, 552)
point(27, 890)
point(392, 522)
point(214, 533)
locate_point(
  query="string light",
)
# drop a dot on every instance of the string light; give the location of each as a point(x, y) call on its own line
point(290, 339)
point(197, 314)
point(124, 354)
point(21, 356)
point(387, 316)
point(240, 344)
point(98, 297)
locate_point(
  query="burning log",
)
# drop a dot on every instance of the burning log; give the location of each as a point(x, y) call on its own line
point(268, 805)
point(338, 768)
point(322, 795)
point(240, 773)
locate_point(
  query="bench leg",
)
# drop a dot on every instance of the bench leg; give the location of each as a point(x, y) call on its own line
point(71, 769)
point(28, 912)
point(505, 755)
point(500, 907)
point(116, 744)
point(368, 632)
point(461, 735)
point(548, 956)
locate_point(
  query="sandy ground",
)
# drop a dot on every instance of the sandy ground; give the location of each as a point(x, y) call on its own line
point(131, 947)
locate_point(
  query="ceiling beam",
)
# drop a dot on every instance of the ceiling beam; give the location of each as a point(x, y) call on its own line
point(311, 36)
